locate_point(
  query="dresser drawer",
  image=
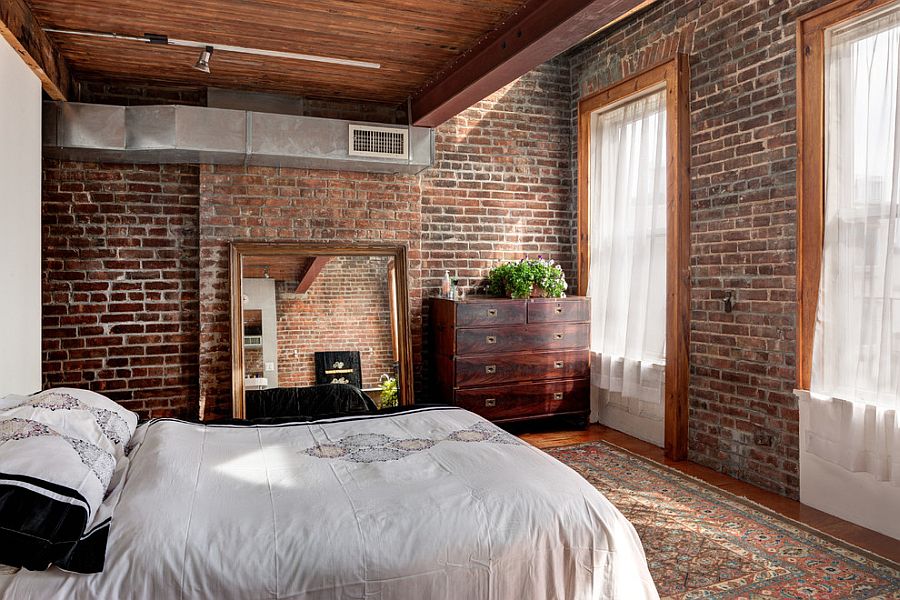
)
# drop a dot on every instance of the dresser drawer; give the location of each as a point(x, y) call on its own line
point(522, 401)
point(558, 310)
point(496, 369)
point(543, 336)
point(484, 312)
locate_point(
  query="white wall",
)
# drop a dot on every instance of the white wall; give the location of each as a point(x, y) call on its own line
point(854, 497)
point(260, 295)
point(20, 225)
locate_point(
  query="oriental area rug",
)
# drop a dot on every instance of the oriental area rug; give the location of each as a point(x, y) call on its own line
point(702, 542)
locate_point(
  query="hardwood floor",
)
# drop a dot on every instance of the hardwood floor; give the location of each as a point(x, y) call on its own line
point(548, 435)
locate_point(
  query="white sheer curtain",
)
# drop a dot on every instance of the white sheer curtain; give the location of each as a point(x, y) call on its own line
point(856, 357)
point(627, 281)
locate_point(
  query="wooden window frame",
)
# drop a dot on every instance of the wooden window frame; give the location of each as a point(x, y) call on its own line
point(674, 74)
point(811, 164)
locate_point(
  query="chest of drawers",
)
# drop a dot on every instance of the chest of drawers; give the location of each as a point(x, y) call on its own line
point(511, 360)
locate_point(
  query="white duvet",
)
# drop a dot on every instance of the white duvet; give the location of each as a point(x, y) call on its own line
point(433, 503)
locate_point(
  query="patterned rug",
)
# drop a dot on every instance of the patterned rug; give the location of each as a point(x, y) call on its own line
point(702, 542)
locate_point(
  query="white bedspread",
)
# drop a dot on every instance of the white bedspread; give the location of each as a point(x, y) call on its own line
point(434, 503)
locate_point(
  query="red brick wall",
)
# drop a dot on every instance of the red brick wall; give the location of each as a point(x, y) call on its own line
point(743, 416)
point(501, 183)
point(346, 308)
point(120, 283)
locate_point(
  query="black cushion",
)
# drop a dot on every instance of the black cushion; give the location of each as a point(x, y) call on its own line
point(307, 402)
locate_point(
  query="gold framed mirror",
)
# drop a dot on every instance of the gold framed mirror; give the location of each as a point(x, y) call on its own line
point(309, 313)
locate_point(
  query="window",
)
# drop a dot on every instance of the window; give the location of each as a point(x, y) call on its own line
point(849, 224)
point(633, 250)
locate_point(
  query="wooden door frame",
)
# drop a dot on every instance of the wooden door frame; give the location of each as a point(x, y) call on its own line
point(674, 76)
point(401, 277)
point(811, 165)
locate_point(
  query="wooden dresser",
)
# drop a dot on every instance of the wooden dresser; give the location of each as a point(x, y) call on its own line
point(511, 360)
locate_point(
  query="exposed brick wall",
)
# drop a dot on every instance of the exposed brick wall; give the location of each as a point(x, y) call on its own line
point(271, 204)
point(346, 309)
point(125, 94)
point(120, 283)
point(500, 189)
point(743, 416)
point(501, 183)
point(131, 94)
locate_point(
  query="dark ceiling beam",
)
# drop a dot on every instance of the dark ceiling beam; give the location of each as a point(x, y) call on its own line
point(312, 271)
point(539, 31)
point(21, 29)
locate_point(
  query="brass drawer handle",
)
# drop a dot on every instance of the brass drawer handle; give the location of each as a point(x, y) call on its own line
point(558, 396)
point(491, 339)
point(490, 369)
point(558, 364)
point(489, 402)
point(557, 336)
point(559, 310)
point(492, 312)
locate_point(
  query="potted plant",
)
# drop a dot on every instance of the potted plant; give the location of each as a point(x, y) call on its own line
point(529, 277)
point(389, 392)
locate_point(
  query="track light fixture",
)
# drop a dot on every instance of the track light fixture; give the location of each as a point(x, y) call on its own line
point(202, 63)
point(207, 48)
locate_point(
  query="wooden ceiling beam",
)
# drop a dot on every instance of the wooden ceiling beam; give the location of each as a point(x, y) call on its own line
point(539, 31)
point(21, 29)
point(312, 271)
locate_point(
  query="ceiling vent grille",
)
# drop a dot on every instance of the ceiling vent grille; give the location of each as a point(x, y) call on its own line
point(383, 142)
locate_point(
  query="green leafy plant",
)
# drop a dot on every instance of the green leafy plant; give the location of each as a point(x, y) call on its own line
point(389, 392)
point(526, 277)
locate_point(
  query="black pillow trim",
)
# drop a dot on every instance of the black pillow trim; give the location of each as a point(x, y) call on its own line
point(37, 529)
point(56, 488)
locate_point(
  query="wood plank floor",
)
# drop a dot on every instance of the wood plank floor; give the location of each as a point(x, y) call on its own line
point(549, 435)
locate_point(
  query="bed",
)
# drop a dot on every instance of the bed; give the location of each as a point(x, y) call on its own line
point(427, 503)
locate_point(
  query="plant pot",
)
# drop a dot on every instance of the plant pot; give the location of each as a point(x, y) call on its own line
point(538, 292)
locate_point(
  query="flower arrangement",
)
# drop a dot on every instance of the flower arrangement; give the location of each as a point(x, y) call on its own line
point(389, 392)
point(528, 277)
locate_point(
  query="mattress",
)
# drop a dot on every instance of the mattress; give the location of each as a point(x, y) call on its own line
point(430, 503)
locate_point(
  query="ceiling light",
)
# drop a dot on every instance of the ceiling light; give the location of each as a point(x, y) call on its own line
point(202, 63)
point(154, 38)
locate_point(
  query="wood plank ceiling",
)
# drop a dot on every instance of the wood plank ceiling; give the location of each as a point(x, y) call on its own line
point(412, 39)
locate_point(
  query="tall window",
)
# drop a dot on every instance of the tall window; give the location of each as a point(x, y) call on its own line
point(855, 366)
point(634, 250)
point(627, 282)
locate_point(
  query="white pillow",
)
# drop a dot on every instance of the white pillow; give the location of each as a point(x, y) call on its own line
point(81, 414)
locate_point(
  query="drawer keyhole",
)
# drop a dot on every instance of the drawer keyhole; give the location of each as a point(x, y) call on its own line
point(558, 396)
point(559, 310)
point(491, 339)
point(558, 364)
point(490, 369)
point(490, 402)
point(492, 312)
point(557, 336)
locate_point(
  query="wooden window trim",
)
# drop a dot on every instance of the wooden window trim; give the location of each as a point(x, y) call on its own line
point(811, 164)
point(675, 75)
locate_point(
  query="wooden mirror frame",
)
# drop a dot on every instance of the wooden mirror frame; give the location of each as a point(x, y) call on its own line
point(401, 303)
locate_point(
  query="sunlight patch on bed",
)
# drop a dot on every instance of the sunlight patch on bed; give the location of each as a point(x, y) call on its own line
point(274, 466)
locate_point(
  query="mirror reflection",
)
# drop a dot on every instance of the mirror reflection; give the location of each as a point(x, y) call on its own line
point(312, 319)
